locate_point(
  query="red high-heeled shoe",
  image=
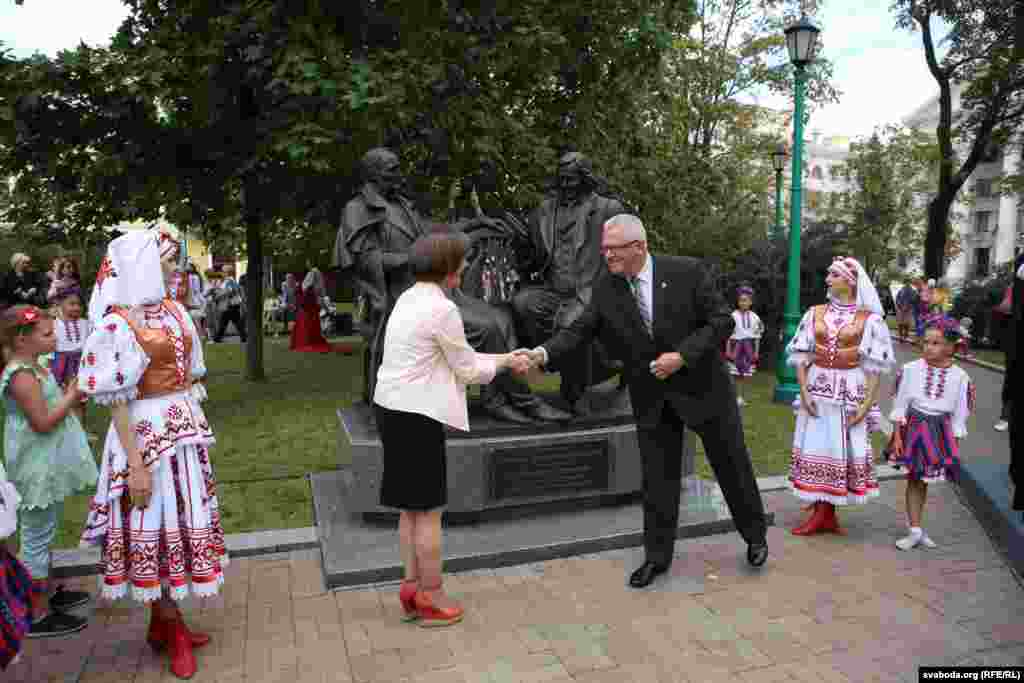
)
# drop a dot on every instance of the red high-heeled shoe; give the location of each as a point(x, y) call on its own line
point(407, 596)
point(431, 615)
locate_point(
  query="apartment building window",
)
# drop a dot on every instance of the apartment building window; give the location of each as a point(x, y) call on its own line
point(981, 262)
point(902, 261)
point(816, 173)
point(982, 221)
point(983, 187)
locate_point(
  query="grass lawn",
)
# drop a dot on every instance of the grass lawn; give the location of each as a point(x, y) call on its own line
point(269, 436)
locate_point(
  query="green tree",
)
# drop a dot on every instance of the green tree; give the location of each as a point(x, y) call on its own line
point(983, 61)
point(881, 207)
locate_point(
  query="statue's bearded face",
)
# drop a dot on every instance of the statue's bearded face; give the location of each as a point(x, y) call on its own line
point(389, 178)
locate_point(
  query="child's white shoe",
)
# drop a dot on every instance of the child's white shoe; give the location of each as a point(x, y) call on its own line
point(740, 402)
point(911, 540)
point(927, 541)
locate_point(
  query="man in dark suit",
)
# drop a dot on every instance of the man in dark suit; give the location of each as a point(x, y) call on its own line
point(667, 336)
point(1015, 378)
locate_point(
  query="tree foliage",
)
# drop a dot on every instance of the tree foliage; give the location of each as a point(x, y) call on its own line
point(984, 64)
point(880, 208)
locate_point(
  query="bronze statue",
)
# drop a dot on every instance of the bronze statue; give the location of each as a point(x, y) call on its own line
point(377, 228)
point(565, 239)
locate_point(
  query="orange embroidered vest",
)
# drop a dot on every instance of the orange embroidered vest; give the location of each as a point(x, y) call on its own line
point(844, 355)
point(161, 376)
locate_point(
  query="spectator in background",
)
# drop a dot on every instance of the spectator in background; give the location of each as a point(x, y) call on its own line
point(288, 301)
point(229, 295)
point(67, 278)
point(22, 285)
point(906, 304)
point(1009, 343)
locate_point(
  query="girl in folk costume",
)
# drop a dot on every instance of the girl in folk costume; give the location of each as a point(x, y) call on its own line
point(743, 346)
point(155, 514)
point(840, 350)
point(71, 330)
point(933, 399)
point(15, 581)
point(47, 457)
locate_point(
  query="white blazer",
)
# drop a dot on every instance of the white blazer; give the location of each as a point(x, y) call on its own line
point(427, 361)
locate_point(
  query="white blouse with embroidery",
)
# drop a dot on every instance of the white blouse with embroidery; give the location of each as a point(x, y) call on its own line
point(71, 334)
point(934, 391)
point(875, 355)
point(748, 325)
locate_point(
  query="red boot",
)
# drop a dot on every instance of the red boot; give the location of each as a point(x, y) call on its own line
point(407, 596)
point(814, 524)
point(179, 649)
point(158, 633)
point(431, 615)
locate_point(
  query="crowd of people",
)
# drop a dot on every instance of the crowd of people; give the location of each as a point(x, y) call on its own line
point(154, 512)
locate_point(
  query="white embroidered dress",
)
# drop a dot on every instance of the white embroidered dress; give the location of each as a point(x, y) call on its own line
point(177, 541)
point(832, 461)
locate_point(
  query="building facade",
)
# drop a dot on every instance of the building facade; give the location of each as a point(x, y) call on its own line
point(989, 225)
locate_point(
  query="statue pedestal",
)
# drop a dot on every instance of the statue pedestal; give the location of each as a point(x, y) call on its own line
point(516, 495)
point(501, 467)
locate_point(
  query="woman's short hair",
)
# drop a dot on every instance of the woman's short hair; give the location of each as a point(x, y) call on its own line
point(438, 254)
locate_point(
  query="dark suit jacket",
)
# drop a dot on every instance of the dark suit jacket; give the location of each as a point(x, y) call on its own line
point(690, 316)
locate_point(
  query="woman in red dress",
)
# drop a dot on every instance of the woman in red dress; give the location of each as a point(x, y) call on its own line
point(306, 335)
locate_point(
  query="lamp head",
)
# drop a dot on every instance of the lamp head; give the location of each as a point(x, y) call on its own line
point(779, 157)
point(802, 41)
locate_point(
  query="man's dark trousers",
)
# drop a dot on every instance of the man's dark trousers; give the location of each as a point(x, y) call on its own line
point(661, 449)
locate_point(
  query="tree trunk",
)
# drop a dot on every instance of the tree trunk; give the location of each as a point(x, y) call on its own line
point(254, 371)
point(935, 237)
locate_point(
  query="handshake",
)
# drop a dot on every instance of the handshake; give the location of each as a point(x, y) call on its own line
point(523, 361)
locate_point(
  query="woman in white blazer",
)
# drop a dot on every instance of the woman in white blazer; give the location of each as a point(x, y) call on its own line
point(421, 388)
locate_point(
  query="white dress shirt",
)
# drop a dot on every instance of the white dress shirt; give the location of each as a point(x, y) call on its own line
point(427, 361)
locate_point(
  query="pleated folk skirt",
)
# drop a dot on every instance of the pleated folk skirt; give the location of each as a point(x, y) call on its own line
point(415, 473)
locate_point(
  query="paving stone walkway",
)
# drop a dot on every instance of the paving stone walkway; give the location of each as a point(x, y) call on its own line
point(830, 608)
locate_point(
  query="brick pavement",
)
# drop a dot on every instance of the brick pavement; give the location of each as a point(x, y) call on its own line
point(843, 609)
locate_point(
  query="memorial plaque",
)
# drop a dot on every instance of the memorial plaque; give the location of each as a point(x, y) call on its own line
point(536, 471)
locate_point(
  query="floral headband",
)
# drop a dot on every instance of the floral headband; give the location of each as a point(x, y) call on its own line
point(846, 268)
point(745, 290)
point(25, 318)
point(949, 328)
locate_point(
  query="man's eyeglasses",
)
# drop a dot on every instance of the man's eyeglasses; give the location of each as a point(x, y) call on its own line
point(608, 248)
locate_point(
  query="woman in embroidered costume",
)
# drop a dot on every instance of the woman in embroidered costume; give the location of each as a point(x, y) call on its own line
point(155, 514)
point(933, 399)
point(743, 346)
point(840, 350)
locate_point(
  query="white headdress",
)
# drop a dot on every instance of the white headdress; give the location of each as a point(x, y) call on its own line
point(851, 271)
point(130, 274)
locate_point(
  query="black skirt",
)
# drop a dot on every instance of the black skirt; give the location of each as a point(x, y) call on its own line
point(415, 473)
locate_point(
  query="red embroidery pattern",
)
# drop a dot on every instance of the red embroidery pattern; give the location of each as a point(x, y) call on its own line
point(111, 327)
point(90, 359)
point(935, 389)
point(72, 332)
point(91, 383)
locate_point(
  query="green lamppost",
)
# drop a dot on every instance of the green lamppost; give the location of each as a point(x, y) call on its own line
point(779, 157)
point(801, 42)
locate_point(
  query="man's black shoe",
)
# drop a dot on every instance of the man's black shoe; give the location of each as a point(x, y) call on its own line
point(55, 625)
point(757, 553)
point(507, 413)
point(63, 600)
point(645, 574)
point(548, 413)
